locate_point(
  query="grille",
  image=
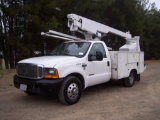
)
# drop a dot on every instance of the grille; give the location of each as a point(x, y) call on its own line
point(27, 70)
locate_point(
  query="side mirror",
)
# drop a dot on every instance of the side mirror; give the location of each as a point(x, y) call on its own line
point(99, 56)
point(90, 57)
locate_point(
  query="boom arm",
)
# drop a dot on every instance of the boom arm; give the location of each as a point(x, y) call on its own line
point(89, 28)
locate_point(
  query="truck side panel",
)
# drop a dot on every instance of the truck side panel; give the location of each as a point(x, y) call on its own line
point(118, 65)
point(122, 65)
point(141, 63)
point(123, 62)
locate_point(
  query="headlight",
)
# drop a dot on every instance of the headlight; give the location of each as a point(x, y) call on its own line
point(51, 73)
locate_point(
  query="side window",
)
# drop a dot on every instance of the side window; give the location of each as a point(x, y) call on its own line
point(98, 47)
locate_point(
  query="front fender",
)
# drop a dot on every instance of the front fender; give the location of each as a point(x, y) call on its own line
point(63, 72)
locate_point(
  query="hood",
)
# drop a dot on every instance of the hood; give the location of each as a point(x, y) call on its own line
point(48, 61)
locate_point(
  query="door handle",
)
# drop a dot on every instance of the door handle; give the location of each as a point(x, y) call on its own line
point(84, 65)
point(108, 63)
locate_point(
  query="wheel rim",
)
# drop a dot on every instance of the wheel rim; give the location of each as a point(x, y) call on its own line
point(73, 91)
point(131, 78)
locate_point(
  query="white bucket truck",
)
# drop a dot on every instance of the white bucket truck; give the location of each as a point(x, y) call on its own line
point(77, 64)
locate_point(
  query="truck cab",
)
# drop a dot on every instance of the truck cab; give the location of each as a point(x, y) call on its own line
point(88, 61)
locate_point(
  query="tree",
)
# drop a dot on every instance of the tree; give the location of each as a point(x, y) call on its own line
point(151, 33)
point(21, 25)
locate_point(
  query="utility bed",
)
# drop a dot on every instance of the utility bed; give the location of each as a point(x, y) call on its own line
point(122, 62)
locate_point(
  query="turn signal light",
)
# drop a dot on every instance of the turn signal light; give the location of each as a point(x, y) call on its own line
point(54, 75)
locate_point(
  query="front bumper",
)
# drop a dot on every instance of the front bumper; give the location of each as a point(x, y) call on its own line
point(40, 86)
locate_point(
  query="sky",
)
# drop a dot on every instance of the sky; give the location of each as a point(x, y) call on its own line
point(157, 2)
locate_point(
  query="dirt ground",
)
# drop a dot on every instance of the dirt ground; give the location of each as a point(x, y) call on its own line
point(109, 101)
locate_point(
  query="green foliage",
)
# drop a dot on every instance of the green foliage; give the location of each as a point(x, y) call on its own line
point(151, 35)
point(22, 21)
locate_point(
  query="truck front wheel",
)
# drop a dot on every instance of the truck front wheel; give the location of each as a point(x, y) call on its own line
point(70, 91)
point(129, 81)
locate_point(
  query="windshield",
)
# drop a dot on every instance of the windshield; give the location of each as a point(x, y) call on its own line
point(78, 49)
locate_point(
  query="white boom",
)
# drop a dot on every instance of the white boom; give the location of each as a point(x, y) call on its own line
point(89, 28)
point(63, 36)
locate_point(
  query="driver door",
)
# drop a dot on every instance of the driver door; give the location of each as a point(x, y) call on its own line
point(97, 71)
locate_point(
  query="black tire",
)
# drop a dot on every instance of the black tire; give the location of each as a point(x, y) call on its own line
point(138, 77)
point(70, 91)
point(129, 81)
point(29, 93)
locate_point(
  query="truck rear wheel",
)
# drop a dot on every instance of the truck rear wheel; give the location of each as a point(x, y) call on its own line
point(70, 91)
point(129, 81)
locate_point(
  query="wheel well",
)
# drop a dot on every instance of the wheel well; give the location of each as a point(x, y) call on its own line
point(81, 78)
point(135, 71)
